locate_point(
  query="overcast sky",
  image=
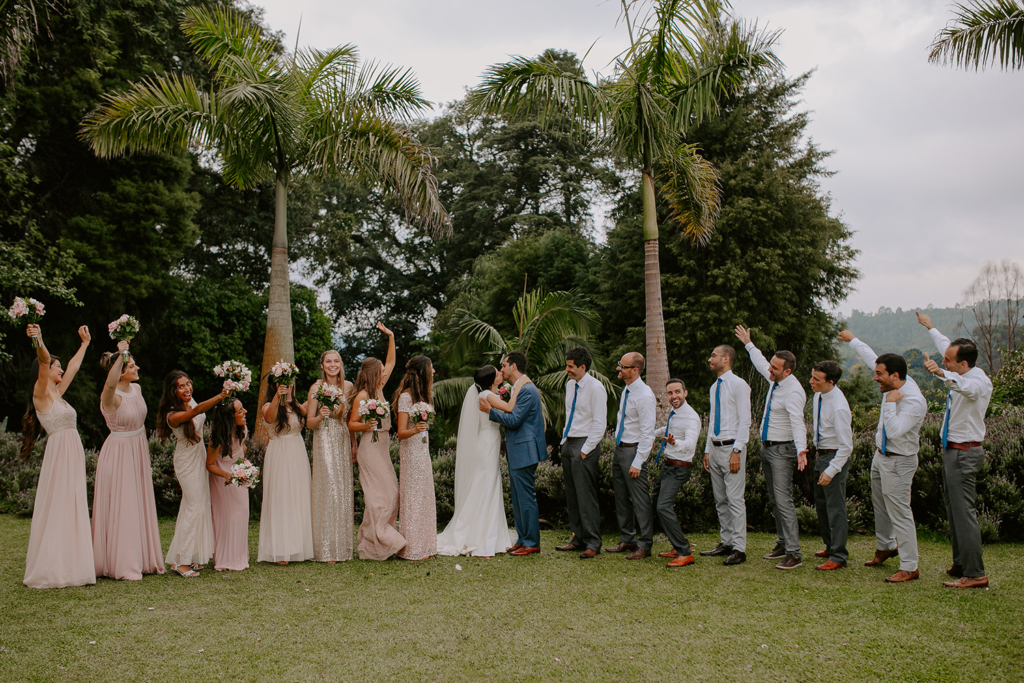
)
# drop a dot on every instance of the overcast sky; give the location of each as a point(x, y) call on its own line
point(930, 160)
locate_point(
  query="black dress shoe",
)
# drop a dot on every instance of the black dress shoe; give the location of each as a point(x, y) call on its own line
point(720, 549)
point(737, 557)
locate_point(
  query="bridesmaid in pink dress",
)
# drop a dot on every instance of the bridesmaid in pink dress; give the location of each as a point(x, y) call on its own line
point(125, 535)
point(378, 539)
point(417, 515)
point(59, 544)
point(230, 501)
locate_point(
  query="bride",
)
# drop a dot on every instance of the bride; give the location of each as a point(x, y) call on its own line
point(479, 526)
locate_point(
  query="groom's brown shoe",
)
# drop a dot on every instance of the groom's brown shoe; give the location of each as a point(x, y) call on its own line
point(639, 554)
point(514, 548)
point(902, 575)
point(525, 551)
point(968, 582)
point(881, 556)
point(621, 548)
point(589, 554)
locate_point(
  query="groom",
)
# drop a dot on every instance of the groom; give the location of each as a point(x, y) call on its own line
point(525, 447)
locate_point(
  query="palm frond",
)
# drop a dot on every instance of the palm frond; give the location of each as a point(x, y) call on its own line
point(981, 33)
point(391, 92)
point(641, 118)
point(449, 393)
point(215, 34)
point(547, 319)
point(469, 337)
point(692, 188)
point(539, 88)
point(316, 71)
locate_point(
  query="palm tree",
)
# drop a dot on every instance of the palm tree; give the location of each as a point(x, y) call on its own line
point(682, 60)
point(547, 325)
point(272, 116)
point(982, 32)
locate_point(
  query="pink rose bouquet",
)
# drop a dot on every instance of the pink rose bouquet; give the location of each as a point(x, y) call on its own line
point(284, 373)
point(329, 395)
point(124, 329)
point(422, 412)
point(30, 309)
point(244, 474)
point(236, 376)
point(373, 409)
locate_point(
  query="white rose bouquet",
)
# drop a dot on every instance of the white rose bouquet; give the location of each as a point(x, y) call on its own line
point(236, 376)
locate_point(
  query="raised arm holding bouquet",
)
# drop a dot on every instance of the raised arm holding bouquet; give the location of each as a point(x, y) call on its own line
point(124, 329)
point(32, 311)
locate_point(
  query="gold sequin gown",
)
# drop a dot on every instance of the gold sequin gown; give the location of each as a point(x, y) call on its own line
point(417, 515)
point(333, 505)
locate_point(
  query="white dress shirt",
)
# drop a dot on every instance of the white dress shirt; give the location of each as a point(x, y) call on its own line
point(735, 419)
point(684, 424)
point(968, 403)
point(832, 424)
point(786, 421)
point(902, 419)
point(638, 421)
point(590, 419)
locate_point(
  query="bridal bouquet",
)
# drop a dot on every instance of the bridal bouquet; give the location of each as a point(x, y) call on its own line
point(244, 474)
point(422, 412)
point(284, 373)
point(236, 376)
point(505, 391)
point(373, 409)
point(329, 395)
point(124, 329)
point(31, 309)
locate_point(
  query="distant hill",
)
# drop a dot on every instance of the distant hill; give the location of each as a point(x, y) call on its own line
point(898, 331)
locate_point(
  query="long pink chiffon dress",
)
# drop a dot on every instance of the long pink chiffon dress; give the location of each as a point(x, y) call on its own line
point(60, 543)
point(417, 515)
point(230, 516)
point(378, 539)
point(286, 524)
point(125, 535)
point(192, 542)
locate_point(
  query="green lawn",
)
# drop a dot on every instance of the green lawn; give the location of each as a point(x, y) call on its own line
point(547, 616)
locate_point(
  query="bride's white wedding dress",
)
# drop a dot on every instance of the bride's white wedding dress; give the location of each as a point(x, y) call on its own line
point(479, 526)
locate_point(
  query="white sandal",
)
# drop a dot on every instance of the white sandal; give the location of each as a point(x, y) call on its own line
point(188, 573)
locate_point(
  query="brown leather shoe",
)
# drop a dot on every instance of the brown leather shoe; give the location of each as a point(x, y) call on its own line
point(830, 565)
point(589, 554)
point(639, 554)
point(881, 556)
point(525, 551)
point(681, 561)
point(671, 553)
point(514, 548)
point(956, 571)
point(901, 576)
point(968, 582)
point(621, 548)
point(568, 548)
point(822, 553)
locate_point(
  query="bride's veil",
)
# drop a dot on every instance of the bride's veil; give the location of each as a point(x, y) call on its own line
point(467, 449)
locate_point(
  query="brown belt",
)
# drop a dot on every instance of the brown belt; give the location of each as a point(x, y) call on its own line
point(964, 446)
point(892, 454)
point(678, 463)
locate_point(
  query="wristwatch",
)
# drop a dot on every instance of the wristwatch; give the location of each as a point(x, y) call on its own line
point(737, 451)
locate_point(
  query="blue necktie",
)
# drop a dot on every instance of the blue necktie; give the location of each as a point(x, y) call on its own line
point(881, 417)
point(945, 422)
point(718, 407)
point(767, 412)
point(622, 418)
point(572, 412)
point(817, 424)
point(663, 442)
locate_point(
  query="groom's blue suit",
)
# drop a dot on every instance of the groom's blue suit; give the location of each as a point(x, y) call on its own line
point(525, 447)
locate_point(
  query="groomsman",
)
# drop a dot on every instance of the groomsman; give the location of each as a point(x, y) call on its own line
point(832, 425)
point(725, 455)
point(892, 469)
point(968, 392)
point(678, 444)
point(586, 418)
point(634, 437)
point(783, 446)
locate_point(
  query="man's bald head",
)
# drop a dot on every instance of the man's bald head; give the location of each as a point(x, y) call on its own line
point(636, 360)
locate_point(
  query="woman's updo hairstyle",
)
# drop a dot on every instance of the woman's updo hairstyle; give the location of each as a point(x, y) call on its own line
point(108, 358)
point(484, 377)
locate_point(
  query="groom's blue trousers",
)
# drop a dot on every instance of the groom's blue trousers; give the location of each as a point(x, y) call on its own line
point(524, 505)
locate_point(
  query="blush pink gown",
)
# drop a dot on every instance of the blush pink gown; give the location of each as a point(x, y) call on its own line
point(125, 535)
point(378, 539)
point(230, 516)
point(59, 544)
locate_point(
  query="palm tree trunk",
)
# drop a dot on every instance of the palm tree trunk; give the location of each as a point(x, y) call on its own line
point(657, 351)
point(278, 345)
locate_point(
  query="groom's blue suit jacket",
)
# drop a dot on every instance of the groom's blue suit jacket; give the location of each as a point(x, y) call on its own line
point(524, 429)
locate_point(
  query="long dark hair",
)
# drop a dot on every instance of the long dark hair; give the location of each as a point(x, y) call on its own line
point(224, 430)
point(30, 426)
point(368, 379)
point(483, 378)
point(418, 381)
point(170, 403)
point(282, 407)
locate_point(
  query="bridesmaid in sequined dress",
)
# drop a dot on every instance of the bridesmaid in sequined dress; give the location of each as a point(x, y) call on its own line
point(417, 516)
point(334, 452)
point(230, 502)
point(59, 543)
point(125, 535)
point(378, 539)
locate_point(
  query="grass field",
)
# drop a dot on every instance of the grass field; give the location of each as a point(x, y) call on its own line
point(543, 617)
